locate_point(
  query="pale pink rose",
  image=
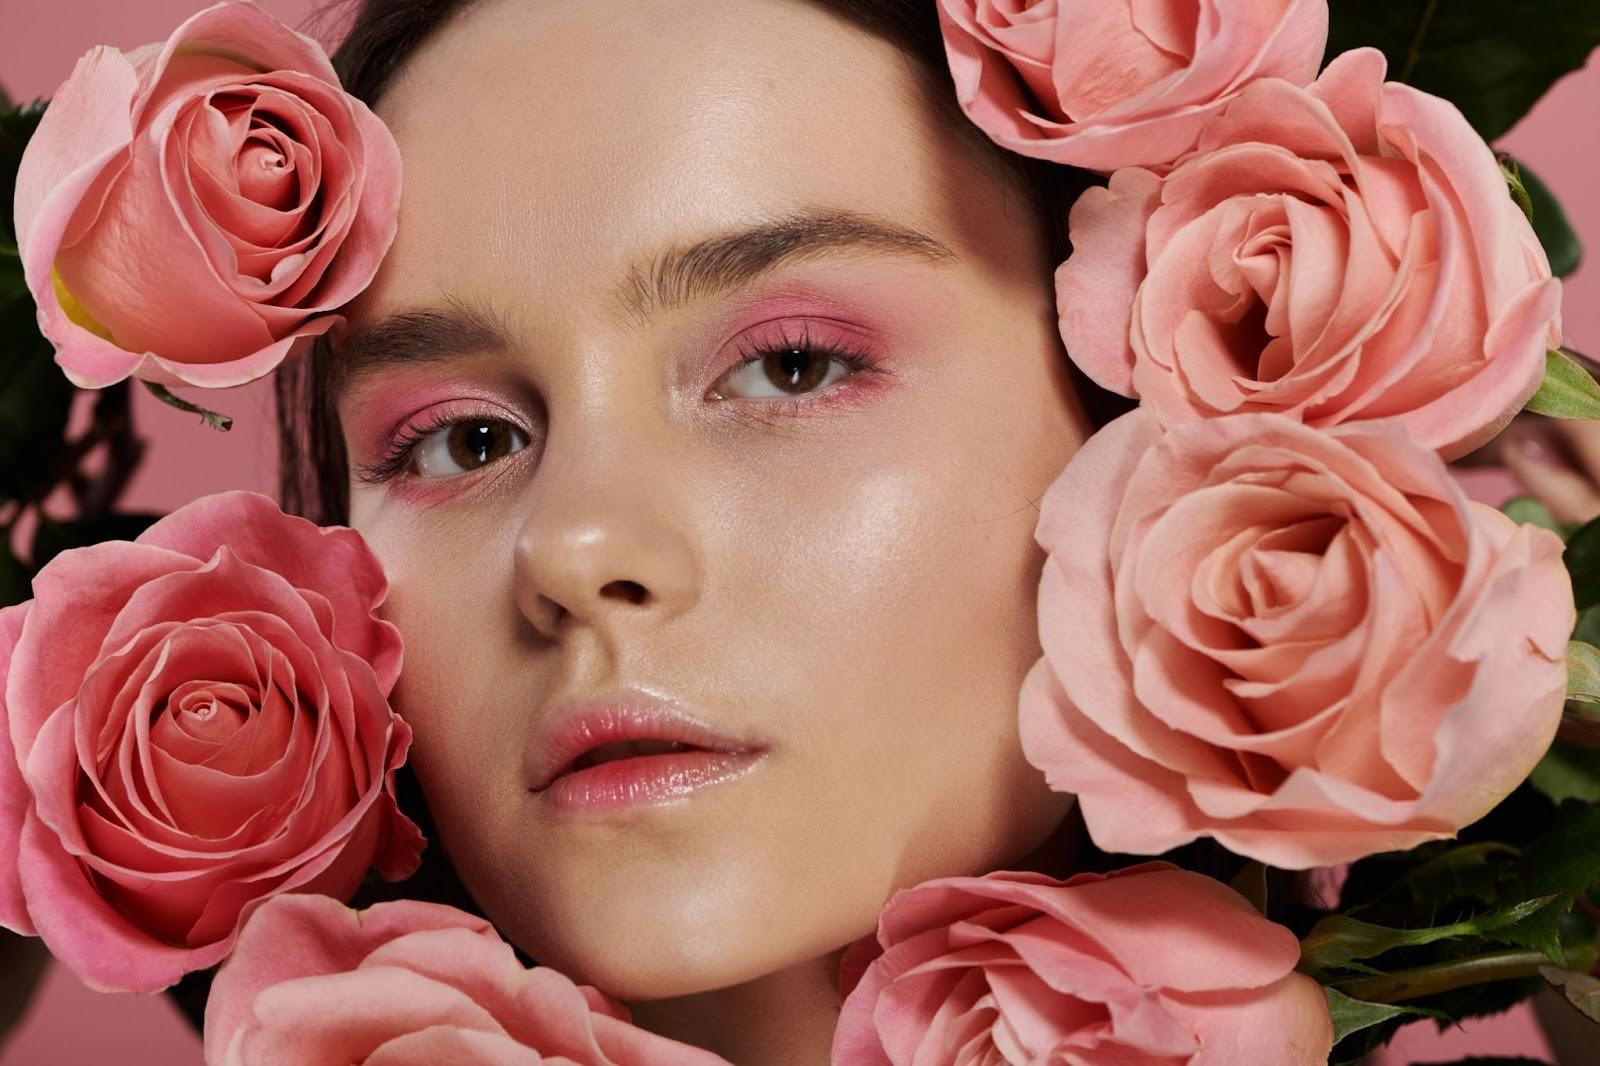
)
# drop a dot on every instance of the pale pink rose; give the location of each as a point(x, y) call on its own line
point(1307, 644)
point(1342, 252)
point(195, 720)
point(185, 210)
point(1151, 964)
point(407, 983)
point(1105, 84)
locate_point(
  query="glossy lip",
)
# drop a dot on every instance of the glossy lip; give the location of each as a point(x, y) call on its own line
point(579, 724)
point(644, 781)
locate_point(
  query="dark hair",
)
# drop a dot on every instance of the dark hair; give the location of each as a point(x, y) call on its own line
point(384, 34)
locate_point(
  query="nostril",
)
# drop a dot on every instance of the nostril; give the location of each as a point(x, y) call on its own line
point(631, 591)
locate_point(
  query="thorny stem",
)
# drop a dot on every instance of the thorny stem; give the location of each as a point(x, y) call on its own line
point(1445, 977)
point(213, 419)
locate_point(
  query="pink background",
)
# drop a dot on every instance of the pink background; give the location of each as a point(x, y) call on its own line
point(68, 1025)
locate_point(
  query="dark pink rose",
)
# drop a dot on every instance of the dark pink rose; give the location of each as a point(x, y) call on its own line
point(1306, 644)
point(1343, 252)
point(1151, 964)
point(315, 983)
point(197, 720)
point(1105, 84)
point(189, 211)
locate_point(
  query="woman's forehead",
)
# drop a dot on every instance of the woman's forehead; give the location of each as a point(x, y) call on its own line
point(562, 141)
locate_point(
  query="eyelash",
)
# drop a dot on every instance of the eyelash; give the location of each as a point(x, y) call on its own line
point(859, 360)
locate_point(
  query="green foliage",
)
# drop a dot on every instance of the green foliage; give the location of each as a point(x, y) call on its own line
point(1568, 771)
point(1493, 58)
point(1568, 390)
point(1354, 1015)
point(1460, 928)
point(1529, 511)
point(1550, 222)
point(1339, 941)
point(1582, 558)
point(1583, 672)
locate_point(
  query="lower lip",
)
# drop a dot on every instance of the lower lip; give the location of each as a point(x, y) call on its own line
point(645, 780)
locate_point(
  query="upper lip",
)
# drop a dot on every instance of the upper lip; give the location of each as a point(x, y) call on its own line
point(581, 723)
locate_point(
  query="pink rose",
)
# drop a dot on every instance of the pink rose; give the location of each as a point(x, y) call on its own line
point(406, 983)
point(1333, 253)
point(195, 720)
point(1307, 644)
point(184, 210)
point(1148, 964)
point(1105, 84)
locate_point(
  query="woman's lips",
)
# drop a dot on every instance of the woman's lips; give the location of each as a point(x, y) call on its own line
point(631, 748)
point(645, 780)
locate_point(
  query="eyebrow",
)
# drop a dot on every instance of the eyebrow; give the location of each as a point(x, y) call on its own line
point(674, 278)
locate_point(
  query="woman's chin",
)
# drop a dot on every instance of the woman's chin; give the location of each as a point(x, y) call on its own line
point(670, 966)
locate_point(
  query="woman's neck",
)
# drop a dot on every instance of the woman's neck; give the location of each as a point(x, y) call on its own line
point(787, 1018)
point(784, 1018)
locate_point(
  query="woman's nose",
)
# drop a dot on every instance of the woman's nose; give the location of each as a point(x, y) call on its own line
point(606, 539)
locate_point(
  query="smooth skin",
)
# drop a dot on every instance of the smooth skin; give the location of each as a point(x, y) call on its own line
point(844, 569)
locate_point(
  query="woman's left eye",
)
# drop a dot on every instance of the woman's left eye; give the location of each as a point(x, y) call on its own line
point(786, 372)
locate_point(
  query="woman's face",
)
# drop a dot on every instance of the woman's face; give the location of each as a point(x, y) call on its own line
point(825, 554)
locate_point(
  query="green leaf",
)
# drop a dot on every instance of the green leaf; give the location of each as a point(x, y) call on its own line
point(1339, 940)
point(1583, 672)
point(1568, 771)
point(1561, 863)
point(1582, 559)
point(1492, 58)
point(1531, 511)
point(1550, 222)
point(1354, 1015)
point(1568, 390)
point(1468, 871)
point(1588, 627)
point(1581, 990)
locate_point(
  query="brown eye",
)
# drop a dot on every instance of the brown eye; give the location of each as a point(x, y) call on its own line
point(786, 372)
point(464, 446)
point(795, 370)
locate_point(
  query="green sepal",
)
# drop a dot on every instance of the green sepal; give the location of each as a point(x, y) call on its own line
point(1568, 390)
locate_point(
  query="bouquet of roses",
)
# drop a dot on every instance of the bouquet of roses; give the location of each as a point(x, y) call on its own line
point(1269, 616)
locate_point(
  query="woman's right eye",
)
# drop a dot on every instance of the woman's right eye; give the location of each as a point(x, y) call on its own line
point(463, 445)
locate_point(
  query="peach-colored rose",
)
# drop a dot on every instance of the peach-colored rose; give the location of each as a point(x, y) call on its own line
point(186, 212)
point(1307, 644)
point(1147, 964)
point(315, 983)
point(1105, 84)
point(1333, 253)
point(198, 720)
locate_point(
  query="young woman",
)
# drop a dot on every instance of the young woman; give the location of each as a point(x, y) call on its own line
point(705, 396)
